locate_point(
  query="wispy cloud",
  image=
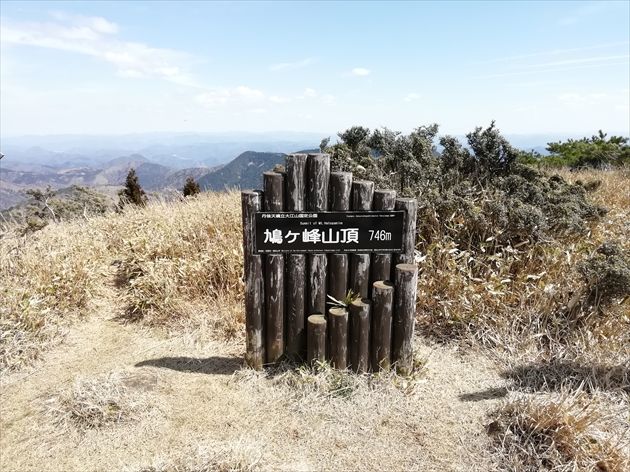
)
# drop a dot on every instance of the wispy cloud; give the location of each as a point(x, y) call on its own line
point(550, 70)
point(556, 52)
point(292, 65)
point(583, 12)
point(360, 71)
point(584, 60)
point(97, 37)
point(221, 96)
point(574, 99)
point(410, 97)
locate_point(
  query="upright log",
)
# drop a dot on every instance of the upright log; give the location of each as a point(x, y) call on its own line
point(362, 194)
point(295, 168)
point(406, 286)
point(274, 274)
point(295, 306)
point(360, 274)
point(295, 263)
point(338, 276)
point(338, 328)
point(360, 334)
point(339, 200)
point(316, 342)
point(251, 202)
point(410, 206)
point(340, 188)
point(384, 200)
point(318, 176)
point(316, 299)
point(382, 307)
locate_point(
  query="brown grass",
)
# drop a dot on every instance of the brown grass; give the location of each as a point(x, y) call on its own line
point(96, 402)
point(178, 268)
point(176, 262)
point(211, 456)
point(563, 432)
point(529, 303)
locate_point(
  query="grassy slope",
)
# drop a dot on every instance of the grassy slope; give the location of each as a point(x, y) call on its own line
point(178, 266)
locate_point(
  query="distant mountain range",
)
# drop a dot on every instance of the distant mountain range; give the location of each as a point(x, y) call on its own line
point(245, 171)
point(162, 161)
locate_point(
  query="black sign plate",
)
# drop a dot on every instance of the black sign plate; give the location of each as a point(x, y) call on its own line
point(332, 231)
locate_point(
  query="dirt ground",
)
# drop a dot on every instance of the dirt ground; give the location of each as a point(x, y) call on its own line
point(198, 395)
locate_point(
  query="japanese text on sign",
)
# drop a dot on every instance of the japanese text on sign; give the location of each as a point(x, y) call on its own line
point(375, 231)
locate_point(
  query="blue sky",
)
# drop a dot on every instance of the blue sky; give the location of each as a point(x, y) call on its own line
point(98, 67)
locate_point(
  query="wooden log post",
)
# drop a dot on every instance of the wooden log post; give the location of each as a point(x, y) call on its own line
point(251, 202)
point(316, 338)
point(316, 299)
point(384, 200)
point(362, 194)
point(318, 176)
point(295, 263)
point(360, 333)
point(338, 329)
point(274, 274)
point(406, 286)
point(340, 188)
point(338, 268)
point(382, 309)
point(410, 206)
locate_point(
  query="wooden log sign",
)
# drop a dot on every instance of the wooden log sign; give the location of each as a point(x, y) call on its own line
point(329, 270)
point(329, 232)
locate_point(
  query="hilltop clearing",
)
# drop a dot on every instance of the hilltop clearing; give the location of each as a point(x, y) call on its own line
point(122, 343)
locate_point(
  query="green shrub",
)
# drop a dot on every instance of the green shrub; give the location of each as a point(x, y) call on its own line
point(467, 194)
point(607, 273)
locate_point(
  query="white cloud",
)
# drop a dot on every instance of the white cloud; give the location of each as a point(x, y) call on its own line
point(360, 71)
point(214, 97)
point(411, 97)
point(96, 37)
point(329, 99)
point(310, 93)
point(292, 65)
point(574, 99)
point(279, 99)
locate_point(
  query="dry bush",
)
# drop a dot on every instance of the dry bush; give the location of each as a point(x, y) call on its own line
point(564, 432)
point(531, 301)
point(97, 402)
point(211, 456)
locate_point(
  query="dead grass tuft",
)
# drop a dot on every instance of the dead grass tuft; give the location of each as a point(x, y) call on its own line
point(97, 402)
point(212, 456)
point(324, 381)
point(563, 432)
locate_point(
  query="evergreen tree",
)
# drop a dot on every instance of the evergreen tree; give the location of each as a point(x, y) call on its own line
point(191, 188)
point(132, 193)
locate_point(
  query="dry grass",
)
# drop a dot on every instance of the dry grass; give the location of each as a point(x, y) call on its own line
point(211, 456)
point(322, 381)
point(178, 267)
point(177, 262)
point(530, 303)
point(96, 402)
point(563, 432)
